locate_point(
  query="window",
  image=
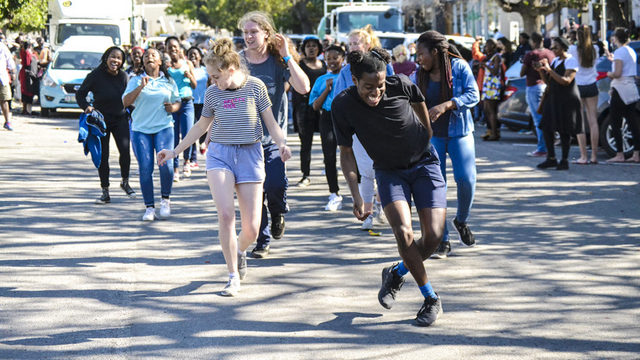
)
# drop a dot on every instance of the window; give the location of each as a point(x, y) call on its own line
point(71, 60)
point(67, 30)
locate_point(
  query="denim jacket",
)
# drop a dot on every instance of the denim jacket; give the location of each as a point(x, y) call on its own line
point(465, 96)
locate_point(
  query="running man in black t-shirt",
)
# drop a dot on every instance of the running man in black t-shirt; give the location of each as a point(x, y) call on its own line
point(390, 118)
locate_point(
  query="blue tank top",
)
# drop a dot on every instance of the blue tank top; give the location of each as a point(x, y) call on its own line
point(183, 83)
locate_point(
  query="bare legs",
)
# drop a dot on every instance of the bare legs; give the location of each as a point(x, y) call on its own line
point(590, 105)
point(249, 197)
point(414, 252)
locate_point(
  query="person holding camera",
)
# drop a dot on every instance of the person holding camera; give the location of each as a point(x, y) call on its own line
point(535, 86)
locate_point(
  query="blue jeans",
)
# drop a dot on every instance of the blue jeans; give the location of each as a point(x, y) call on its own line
point(182, 123)
point(534, 95)
point(275, 191)
point(146, 146)
point(462, 153)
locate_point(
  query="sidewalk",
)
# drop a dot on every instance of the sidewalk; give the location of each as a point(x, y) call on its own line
point(555, 275)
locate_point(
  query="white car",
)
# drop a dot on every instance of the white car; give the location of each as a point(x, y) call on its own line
point(70, 65)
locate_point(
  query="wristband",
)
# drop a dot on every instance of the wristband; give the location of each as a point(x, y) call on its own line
point(286, 59)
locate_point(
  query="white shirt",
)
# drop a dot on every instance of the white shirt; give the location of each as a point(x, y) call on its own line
point(570, 63)
point(628, 58)
point(585, 76)
point(6, 64)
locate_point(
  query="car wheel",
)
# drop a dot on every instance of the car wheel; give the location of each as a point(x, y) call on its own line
point(608, 142)
point(45, 112)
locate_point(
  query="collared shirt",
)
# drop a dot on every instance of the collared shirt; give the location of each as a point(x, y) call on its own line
point(6, 64)
point(149, 115)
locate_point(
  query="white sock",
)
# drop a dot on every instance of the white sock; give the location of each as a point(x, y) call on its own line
point(233, 275)
point(241, 252)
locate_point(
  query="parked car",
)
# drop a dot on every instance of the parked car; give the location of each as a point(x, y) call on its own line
point(514, 112)
point(70, 65)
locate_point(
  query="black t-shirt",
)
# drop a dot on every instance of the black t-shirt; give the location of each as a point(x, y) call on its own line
point(107, 91)
point(390, 132)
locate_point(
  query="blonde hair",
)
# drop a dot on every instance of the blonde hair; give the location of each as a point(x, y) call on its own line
point(223, 56)
point(400, 52)
point(366, 34)
point(265, 22)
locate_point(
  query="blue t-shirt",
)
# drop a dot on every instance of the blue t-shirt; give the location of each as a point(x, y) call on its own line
point(149, 115)
point(183, 82)
point(201, 76)
point(344, 79)
point(273, 75)
point(318, 89)
point(432, 98)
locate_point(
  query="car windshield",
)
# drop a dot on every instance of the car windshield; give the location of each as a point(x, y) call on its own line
point(390, 43)
point(72, 60)
point(389, 21)
point(67, 30)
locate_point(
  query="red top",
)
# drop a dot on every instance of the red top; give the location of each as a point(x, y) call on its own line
point(533, 77)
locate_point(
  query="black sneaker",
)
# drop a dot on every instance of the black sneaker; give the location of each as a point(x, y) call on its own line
point(429, 312)
point(277, 226)
point(105, 198)
point(260, 252)
point(549, 163)
point(391, 284)
point(127, 189)
point(464, 233)
point(242, 265)
point(563, 165)
point(443, 250)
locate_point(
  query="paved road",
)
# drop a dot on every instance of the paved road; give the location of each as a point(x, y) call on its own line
point(555, 275)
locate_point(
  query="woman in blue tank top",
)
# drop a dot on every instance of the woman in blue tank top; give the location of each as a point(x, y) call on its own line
point(182, 72)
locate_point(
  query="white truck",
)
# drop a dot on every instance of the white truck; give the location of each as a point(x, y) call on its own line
point(113, 18)
point(386, 18)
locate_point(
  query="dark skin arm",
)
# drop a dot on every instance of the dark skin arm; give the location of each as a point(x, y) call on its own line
point(423, 115)
point(317, 104)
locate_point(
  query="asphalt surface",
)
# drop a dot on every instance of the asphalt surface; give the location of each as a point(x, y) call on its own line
point(555, 274)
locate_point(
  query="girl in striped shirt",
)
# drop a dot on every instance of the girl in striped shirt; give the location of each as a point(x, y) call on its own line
point(234, 107)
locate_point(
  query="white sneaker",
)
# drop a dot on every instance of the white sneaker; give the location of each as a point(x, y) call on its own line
point(165, 208)
point(232, 287)
point(378, 213)
point(368, 223)
point(149, 214)
point(335, 202)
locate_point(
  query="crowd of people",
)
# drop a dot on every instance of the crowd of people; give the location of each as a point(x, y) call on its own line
point(394, 117)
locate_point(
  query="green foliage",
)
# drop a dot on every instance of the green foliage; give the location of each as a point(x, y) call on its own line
point(23, 15)
point(225, 13)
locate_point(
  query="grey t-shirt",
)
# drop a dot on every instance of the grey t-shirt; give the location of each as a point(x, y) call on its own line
point(273, 75)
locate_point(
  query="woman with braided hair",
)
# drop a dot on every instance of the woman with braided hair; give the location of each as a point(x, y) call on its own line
point(389, 117)
point(447, 83)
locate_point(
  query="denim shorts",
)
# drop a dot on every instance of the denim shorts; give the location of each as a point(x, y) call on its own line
point(245, 162)
point(423, 182)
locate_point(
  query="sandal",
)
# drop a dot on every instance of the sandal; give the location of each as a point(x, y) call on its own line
point(578, 162)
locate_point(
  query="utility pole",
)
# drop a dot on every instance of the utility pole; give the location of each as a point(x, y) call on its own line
point(603, 21)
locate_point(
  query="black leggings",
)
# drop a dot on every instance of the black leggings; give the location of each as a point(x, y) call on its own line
point(565, 143)
point(307, 119)
point(619, 110)
point(119, 127)
point(329, 147)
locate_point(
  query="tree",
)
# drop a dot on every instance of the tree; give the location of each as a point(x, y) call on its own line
point(532, 10)
point(296, 15)
point(23, 15)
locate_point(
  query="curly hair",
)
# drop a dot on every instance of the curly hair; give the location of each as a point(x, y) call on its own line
point(373, 61)
point(223, 56)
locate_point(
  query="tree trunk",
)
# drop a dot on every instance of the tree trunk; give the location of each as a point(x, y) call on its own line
point(531, 23)
point(301, 14)
point(617, 14)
